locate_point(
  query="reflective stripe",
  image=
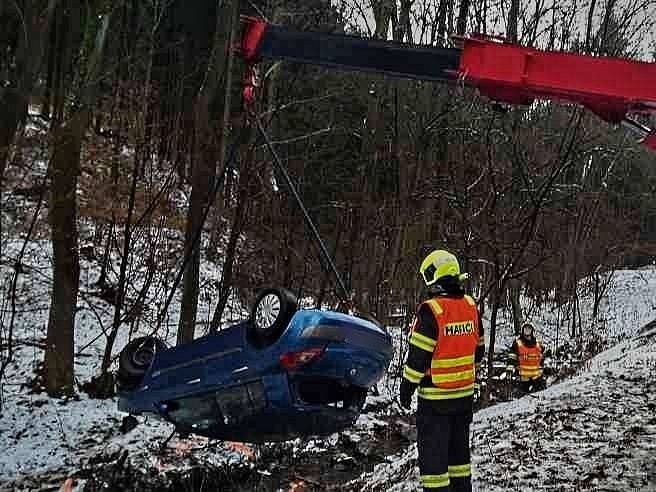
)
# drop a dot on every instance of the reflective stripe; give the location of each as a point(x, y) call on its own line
point(459, 370)
point(470, 301)
point(450, 396)
point(457, 471)
point(422, 341)
point(529, 372)
point(432, 389)
point(452, 368)
point(454, 376)
point(435, 306)
point(445, 393)
point(458, 361)
point(411, 375)
point(512, 355)
point(435, 481)
point(529, 360)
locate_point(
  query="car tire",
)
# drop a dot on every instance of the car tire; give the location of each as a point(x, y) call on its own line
point(272, 310)
point(135, 359)
point(354, 400)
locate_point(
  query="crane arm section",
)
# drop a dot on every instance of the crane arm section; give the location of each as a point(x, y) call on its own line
point(612, 88)
point(261, 40)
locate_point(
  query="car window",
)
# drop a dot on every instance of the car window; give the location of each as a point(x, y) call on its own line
point(241, 401)
point(227, 406)
point(196, 412)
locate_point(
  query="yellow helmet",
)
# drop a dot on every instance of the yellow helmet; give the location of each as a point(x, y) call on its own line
point(527, 327)
point(438, 264)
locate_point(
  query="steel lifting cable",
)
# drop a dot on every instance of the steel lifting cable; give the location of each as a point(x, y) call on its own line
point(344, 293)
point(250, 84)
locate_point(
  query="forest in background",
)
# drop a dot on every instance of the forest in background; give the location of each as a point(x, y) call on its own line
point(139, 103)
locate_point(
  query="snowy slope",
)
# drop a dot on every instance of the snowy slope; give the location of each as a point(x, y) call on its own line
point(596, 431)
point(628, 304)
point(578, 422)
point(41, 435)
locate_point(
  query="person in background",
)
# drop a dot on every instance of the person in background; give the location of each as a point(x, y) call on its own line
point(526, 356)
point(446, 346)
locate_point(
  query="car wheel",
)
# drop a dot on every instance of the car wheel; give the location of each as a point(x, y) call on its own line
point(355, 398)
point(271, 313)
point(135, 359)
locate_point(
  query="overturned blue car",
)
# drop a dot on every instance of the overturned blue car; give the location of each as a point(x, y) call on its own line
point(282, 374)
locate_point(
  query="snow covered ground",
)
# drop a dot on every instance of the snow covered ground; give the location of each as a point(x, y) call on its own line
point(595, 431)
point(628, 304)
point(43, 436)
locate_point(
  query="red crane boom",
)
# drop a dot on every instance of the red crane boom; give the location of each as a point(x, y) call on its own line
point(612, 88)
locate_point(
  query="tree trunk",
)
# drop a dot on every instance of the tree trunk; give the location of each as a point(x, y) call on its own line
point(514, 293)
point(513, 14)
point(139, 163)
point(384, 11)
point(35, 22)
point(597, 294)
point(446, 7)
point(125, 260)
point(64, 169)
point(492, 339)
point(203, 175)
point(204, 164)
point(463, 13)
point(588, 26)
point(228, 264)
point(13, 108)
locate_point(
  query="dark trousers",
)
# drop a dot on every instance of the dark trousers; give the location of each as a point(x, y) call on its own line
point(531, 385)
point(443, 445)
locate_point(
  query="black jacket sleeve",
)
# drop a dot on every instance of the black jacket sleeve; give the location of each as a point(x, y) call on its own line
point(423, 339)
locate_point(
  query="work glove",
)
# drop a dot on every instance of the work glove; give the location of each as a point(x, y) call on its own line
point(405, 393)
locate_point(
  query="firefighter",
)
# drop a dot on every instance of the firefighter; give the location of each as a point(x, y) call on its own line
point(527, 357)
point(446, 346)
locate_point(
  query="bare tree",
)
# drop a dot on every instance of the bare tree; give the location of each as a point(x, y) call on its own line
point(33, 20)
point(207, 143)
point(63, 170)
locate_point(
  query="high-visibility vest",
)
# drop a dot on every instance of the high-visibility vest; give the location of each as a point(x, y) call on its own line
point(452, 370)
point(529, 360)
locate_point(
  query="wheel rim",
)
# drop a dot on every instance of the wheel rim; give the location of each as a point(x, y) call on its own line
point(144, 355)
point(267, 311)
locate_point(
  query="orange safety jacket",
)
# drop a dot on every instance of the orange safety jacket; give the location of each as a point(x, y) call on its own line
point(452, 369)
point(530, 361)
